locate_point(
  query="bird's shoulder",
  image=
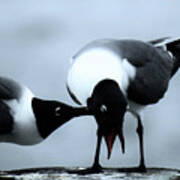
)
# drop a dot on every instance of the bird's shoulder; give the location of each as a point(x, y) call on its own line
point(153, 72)
point(9, 89)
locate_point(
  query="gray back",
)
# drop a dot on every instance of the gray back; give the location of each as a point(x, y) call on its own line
point(9, 89)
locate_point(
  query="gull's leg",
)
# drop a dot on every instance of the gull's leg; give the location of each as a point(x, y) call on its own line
point(140, 130)
point(96, 165)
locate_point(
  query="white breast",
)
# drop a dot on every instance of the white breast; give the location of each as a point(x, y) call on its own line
point(25, 131)
point(94, 65)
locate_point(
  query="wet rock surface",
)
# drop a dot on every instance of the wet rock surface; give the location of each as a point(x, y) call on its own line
point(60, 173)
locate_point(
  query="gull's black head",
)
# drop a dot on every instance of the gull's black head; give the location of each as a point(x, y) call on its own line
point(108, 104)
point(50, 115)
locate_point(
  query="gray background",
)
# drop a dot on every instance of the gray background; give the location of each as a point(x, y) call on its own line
point(37, 39)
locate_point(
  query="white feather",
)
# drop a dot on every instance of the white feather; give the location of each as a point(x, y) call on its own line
point(25, 131)
point(94, 65)
point(137, 108)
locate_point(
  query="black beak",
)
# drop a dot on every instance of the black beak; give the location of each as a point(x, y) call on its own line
point(110, 138)
point(122, 142)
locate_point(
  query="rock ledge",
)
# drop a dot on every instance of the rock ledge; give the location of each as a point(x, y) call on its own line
point(61, 173)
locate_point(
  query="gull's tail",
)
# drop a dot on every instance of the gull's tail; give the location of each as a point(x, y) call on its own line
point(172, 46)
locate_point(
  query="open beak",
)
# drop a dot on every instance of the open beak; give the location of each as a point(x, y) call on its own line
point(110, 138)
point(121, 139)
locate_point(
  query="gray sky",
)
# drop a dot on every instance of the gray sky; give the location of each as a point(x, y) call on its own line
point(37, 39)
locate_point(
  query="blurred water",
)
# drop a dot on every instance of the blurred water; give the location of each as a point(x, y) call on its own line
point(37, 39)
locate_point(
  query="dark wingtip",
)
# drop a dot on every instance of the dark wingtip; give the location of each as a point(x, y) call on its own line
point(157, 41)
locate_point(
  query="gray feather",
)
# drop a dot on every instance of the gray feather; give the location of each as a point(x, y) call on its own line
point(153, 71)
point(9, 89)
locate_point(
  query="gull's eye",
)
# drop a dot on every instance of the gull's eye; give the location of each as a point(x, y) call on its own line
point(58, 111)
point(103, 108)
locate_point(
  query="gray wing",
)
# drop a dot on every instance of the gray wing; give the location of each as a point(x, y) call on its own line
point(153, 72)
point(9, 89)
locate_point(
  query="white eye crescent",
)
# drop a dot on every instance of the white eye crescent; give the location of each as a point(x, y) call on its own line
point(103, 108)
point(58, 111)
